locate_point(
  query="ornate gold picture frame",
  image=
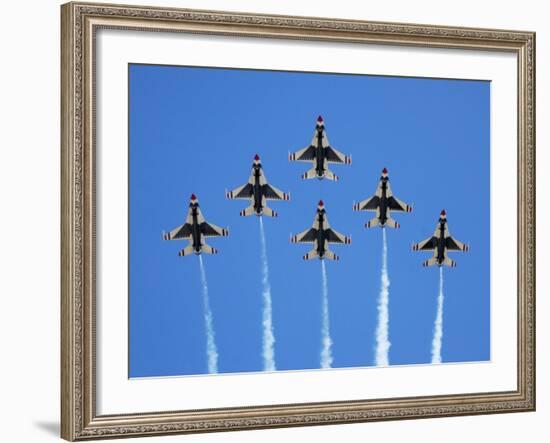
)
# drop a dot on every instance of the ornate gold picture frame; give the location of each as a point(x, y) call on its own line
point(80, 23)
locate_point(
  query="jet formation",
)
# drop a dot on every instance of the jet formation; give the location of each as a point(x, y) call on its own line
point(320, 153)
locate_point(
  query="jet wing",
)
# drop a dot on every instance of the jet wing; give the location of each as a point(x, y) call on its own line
point(334, 156)
point(397, 205)
point(426, 245)
point(370, 204)
point(303, 155)
point(179, 233)
point(453, 244)
point(210, 230)
point(333, 236)
point(307, 236)
point(242, 192)
point(272, 193)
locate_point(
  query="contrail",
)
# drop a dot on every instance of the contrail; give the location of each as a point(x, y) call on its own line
point(438, 325)
point(382, 341)
point(326, 351)
point(268, 351)
point(211, 349)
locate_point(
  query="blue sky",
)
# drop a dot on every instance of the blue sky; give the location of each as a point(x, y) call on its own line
point(196, 130)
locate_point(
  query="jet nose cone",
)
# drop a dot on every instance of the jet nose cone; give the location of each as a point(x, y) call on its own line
point(384, 171)
point(321, 204)
point(193, 197)
point(257, 157)
point(320, 119)
point(443, 213)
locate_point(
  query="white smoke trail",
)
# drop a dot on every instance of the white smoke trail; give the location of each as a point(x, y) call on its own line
point(382, 341)
point(268, 342)
point(211, 349)
point(438, 325)
point(326, 351)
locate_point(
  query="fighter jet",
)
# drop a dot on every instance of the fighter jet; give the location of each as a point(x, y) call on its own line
point(258, 191)
point(321, 234)
point(196, 229)
point(320, 153)
point(383, 202)
point(440, 243)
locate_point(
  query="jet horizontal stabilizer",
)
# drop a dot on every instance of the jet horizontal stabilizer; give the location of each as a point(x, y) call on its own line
point(311, 254)
point(207, 249)
point(312, 173)
point(331, 175)
point(329, 255)
point(248, 211)
point(449, 262)
point(431, 262)
point(391, 223)
point(186, 251)
point(372, 223)
point(268, 212)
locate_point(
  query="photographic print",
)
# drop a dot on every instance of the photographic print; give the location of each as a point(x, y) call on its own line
point(273, 221)
point(264, 234)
